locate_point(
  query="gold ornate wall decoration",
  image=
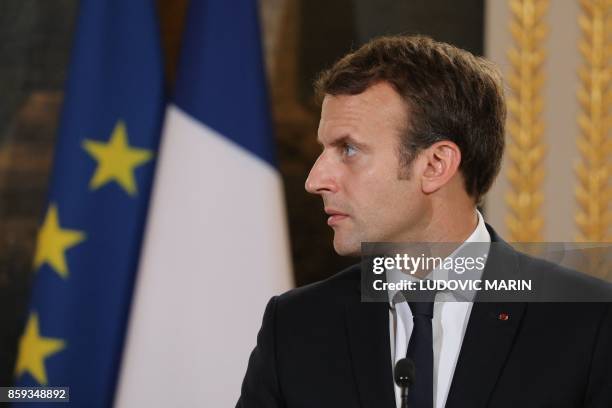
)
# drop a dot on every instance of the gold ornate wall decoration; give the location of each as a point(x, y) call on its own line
point(593, 192)
point(526, 149)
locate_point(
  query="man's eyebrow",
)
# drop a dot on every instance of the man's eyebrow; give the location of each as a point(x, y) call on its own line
point(341, 141)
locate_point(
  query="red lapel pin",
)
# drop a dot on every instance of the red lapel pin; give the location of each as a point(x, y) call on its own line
point(503, 317)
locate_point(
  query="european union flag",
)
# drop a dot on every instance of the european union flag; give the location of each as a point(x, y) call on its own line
point(88, 244)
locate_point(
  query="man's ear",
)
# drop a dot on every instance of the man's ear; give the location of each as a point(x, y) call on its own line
point(442, 160)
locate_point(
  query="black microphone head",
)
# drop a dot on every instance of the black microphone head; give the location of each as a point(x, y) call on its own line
point(404, 372)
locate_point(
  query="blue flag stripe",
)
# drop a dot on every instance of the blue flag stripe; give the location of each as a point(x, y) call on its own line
point(221, 80)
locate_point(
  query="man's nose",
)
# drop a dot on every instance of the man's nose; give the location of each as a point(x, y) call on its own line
point(321, 179)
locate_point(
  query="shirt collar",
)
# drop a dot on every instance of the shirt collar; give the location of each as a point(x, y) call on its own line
point(480, 234)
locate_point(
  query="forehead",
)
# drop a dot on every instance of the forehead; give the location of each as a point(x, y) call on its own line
point(378, 109)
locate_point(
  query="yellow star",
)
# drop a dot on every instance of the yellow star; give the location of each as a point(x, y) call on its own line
point(116, 160)
point(34, 349)
point(53, 241)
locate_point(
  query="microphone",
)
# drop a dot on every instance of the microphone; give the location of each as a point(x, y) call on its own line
point(404, 377)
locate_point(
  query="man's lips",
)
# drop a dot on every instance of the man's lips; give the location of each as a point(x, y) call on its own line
point(334, 216)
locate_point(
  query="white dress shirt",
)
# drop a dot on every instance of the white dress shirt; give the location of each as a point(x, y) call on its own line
point(449, 322)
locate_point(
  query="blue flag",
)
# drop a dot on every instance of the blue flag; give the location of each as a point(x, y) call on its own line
point(221, 78)
point(89, 240)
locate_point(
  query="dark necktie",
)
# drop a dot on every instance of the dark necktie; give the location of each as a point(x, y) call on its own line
point(420, 350)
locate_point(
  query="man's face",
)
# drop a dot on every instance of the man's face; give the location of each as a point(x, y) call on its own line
point(357, 172)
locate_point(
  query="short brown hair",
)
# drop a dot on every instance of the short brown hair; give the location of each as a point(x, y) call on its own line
point(451, 95)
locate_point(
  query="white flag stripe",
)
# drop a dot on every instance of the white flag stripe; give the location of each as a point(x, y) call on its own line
point(215, 251)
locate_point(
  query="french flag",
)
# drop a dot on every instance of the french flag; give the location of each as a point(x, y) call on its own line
point(216, 244)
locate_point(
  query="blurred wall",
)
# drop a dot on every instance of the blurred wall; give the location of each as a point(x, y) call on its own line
point(559, 116)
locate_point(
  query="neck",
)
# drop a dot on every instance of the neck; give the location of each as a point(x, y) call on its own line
point(451, 221)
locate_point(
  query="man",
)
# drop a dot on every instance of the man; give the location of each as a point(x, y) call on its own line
point(412, 136)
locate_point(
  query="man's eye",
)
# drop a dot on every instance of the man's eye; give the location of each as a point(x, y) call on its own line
point(348, 150)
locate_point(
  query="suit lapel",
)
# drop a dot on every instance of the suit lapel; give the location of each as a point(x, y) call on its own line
point(489, 336)
point(368, 338)
point(486, 345)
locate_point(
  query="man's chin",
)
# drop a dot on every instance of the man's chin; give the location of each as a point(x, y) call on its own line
point(347, 248)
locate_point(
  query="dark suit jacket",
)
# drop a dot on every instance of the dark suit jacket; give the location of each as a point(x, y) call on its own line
point(320, 346)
